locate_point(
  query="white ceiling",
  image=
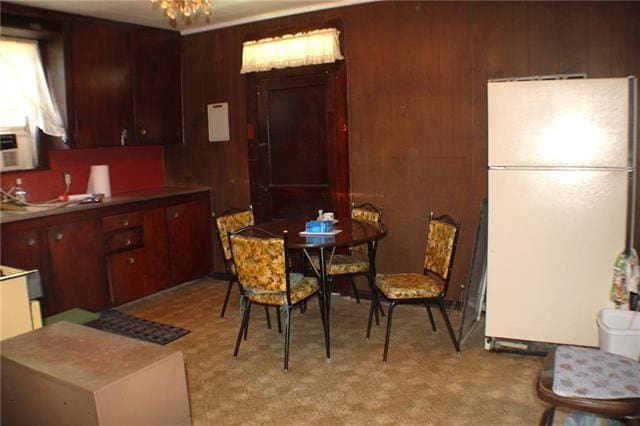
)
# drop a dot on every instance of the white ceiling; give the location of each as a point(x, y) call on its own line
point(225, 13)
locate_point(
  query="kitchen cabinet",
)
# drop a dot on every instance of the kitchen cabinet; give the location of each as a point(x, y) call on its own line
point(119, 84)
point(156, 88)
point(124, 85)
point(99, 85)
point(98, 256)
point(23, 249)
point(137, 258)
point(77, 271)
point(68, 259)
point(189, 239)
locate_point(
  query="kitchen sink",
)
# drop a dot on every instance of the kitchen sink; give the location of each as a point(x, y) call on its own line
point(14, 208)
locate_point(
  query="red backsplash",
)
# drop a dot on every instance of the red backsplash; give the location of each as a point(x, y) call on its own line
point(130, 168)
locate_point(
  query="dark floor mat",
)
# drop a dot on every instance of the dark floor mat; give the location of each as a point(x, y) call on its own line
point(117, 322)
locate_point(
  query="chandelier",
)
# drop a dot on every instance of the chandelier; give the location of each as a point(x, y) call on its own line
point(187, 8)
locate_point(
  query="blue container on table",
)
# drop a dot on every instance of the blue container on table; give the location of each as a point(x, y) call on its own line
point(319, 226)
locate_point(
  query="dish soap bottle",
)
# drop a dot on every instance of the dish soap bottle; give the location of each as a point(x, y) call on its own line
point(20, 193)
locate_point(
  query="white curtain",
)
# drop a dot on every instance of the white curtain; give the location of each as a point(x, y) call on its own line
point(291, 50)
point(24, 89)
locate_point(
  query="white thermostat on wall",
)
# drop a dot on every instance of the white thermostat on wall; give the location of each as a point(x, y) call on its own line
point(218, 117)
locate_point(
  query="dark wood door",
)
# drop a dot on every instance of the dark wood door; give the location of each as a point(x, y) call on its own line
point(100, 76)
point(156, 249)
point(299, 159)
point(77, 266)
point(189, 231)
point(156, 87)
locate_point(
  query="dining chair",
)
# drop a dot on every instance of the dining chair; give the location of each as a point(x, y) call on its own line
point(262, 266)
point(601, 387)
point(231, 220)
point(357, 261)
point(427, 288)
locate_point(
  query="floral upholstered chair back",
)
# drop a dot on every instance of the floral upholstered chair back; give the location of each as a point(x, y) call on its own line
point(230, 222)
point(441, 241)
point(367, 213)
point(260, 262)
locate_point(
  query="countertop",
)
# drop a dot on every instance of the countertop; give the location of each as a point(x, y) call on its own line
point(7, 216)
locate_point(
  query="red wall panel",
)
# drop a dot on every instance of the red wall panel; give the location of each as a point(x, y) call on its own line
point(130, 168)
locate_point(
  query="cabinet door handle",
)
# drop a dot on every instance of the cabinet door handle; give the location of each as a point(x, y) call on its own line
point(59, 236)
point(31, 242)
point(143, 132)
point(125, 223)
point(131, 260)
point(128, 242)
point(175, 215)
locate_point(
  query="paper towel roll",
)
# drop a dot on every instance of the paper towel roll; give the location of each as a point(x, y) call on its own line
point(99, 180)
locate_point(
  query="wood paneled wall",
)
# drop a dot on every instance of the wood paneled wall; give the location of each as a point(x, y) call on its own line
point(417, 74)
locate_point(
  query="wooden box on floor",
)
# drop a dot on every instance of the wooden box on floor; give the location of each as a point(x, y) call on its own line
point(71, 374)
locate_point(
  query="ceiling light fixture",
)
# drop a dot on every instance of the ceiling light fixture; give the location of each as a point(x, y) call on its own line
point(187, 8)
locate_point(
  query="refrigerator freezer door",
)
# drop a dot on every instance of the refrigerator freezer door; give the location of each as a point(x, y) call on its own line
point(553, 239)
point(559, 123)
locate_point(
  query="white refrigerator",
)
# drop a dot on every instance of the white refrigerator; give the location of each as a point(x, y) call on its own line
point(561, 159)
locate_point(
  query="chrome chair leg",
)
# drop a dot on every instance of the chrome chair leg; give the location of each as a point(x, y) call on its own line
point(371, 309)
point(278, 318)
point(324, 325)
point(226, 297)
point(386, 340)
point(355, 289)
point(287, 338)
point(268, 316)
point(243, 323)
point(374, 298)
point(246, 327)
point(433, 324)
point(446, 320)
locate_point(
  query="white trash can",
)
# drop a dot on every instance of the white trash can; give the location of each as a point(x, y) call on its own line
point(619, 332)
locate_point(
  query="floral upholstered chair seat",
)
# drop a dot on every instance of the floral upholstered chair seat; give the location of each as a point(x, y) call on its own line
point(409, 286)
point(301, 288)
point(342, 264)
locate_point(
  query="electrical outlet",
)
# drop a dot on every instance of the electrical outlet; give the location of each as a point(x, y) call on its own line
point(66, 177)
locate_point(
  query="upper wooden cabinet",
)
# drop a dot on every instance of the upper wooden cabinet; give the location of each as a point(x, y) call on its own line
point(99, 85)
point(156, 88)
point(123, 85)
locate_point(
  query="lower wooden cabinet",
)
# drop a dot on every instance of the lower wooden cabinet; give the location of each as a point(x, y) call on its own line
point(139, 266)
point(24, 249)
point(189, 240)
point(110, 255)
point(77, 268)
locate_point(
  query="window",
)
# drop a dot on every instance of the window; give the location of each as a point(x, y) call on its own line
point(25, 104)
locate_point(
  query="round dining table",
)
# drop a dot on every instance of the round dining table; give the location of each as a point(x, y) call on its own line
point(351, 233)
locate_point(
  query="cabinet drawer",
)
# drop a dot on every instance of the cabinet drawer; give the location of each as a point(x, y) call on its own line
point(128, 276)
point(124, 240)
point(122, 221)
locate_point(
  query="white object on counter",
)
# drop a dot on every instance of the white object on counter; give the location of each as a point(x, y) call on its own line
point(79, 197)
point(99, 182)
